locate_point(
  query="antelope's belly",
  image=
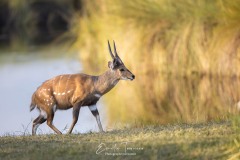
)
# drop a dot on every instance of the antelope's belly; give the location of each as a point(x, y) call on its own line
point(88, 101)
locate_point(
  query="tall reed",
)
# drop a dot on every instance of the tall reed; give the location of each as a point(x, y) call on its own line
point(171, 46)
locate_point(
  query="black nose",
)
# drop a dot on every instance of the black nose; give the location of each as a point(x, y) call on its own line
point(133, 76)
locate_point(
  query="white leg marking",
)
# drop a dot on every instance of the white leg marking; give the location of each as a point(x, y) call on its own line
point(93, 108)
point(54, 108)
point(98, 119)
point(35, 128)
point(43, 113)
point(99, 123)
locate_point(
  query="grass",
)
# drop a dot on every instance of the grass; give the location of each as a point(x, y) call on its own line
point(182, 141)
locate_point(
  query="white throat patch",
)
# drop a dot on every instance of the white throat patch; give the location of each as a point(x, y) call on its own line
point(97, 95)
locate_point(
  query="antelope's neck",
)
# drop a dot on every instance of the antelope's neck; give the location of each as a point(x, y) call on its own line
point(106, 82)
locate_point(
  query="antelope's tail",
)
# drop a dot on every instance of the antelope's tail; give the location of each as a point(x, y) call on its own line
point(33, 104)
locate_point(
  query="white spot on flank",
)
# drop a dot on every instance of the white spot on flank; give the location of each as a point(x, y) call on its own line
point(48, 89)
point(92, 108)
point(54, 93)
point(68, 91)
point(97, 95)
point(63, 93)
point(47, 100)
point(59, 94)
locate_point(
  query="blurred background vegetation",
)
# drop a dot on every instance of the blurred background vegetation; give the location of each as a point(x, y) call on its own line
point(185, 54)
point(25, 23)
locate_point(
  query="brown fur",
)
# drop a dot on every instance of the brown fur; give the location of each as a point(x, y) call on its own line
point(74, 91)
point(65, 91)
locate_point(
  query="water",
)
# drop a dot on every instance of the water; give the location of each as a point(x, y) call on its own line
point(19, 78)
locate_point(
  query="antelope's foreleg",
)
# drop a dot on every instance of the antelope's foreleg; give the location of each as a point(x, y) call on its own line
point(76, 110)
point(94, 111)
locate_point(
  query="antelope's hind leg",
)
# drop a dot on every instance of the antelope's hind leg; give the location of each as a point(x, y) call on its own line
point(36, 123)
point(50, 117)
point(94, 110)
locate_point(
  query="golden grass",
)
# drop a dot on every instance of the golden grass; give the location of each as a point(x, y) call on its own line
point(179, 141)
point(170, 46)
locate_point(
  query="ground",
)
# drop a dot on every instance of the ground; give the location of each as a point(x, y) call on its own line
point(215, 140)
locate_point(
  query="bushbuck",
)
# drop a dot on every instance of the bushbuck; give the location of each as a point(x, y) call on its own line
point(75, 91)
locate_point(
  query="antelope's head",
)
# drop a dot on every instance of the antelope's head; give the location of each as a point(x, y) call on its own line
point(118, 66)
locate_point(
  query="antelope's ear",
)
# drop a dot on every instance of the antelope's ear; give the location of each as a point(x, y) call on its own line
point(110, 65)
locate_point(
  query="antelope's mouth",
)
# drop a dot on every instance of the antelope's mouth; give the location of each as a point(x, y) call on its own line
point(128, 78)
point(131, 79)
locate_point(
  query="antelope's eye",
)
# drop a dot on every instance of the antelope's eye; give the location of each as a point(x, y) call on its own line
point(121, 70)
